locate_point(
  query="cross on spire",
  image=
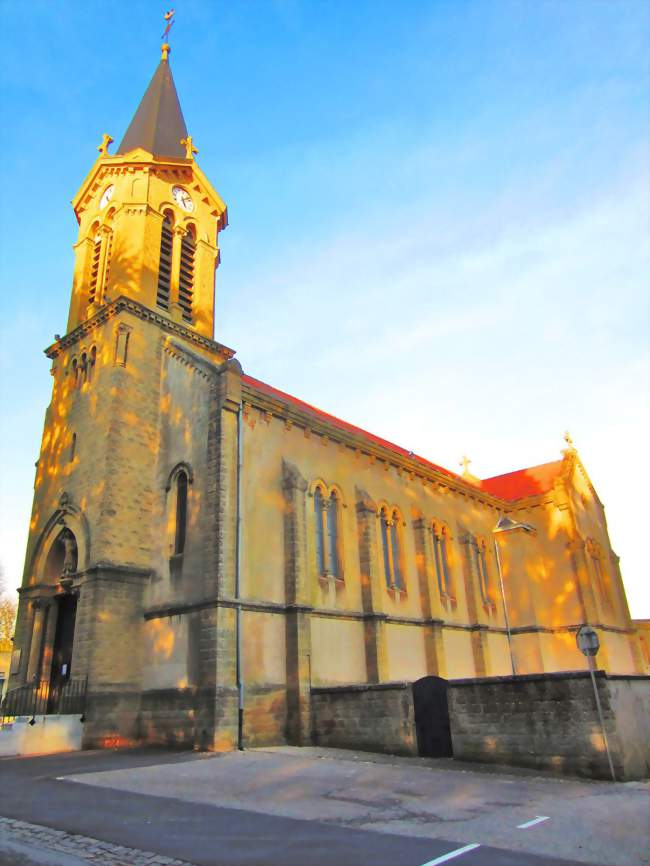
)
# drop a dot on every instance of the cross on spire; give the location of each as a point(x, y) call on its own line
point(464, 462)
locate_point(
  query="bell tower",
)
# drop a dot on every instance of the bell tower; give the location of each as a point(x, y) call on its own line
point(126, 511)
point(149, 219)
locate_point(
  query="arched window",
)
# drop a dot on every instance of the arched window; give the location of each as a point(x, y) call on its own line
point(186, 274)
point(319, 508)
point(75, 371)
point(94, 268)
point(392, 549)
point(83, 368)
point(327, 526)
point(73, 447)
point(333, 535)
point(441, 556)
point(385, 546)
point(181, 513)
point(92, 358)
point(165, 263)
point(480, 549)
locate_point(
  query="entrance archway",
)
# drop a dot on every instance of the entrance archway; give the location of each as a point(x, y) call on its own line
point(66, 612)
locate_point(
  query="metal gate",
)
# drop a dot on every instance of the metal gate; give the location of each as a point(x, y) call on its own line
point(432, 717)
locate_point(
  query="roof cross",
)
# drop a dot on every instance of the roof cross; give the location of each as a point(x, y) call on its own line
point(169, 18)
point(464, 462)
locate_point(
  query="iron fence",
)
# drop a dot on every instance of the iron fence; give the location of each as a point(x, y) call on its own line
point(43, 698)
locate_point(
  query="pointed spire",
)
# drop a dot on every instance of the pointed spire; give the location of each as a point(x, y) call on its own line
point(158, 125)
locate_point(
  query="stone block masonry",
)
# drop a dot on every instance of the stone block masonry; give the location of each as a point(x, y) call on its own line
point(70, 845)
point(374, 717)
point(550, 722)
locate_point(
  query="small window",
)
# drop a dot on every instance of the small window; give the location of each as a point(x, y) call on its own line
point(73, 447)
point(391, 543)
point(318, 520)
point(480, 549)
point(385, 546)
point(181, 513)
point(333, 535)
point(92, 359)
point(441, 557)
point(327, 540)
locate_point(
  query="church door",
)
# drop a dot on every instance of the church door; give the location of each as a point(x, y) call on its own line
point(62, 651)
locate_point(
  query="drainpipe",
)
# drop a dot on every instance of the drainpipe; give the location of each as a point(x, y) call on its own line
point(505, 608)
point(238, 549)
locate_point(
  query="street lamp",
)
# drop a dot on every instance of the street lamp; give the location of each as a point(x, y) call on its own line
point(507, 524)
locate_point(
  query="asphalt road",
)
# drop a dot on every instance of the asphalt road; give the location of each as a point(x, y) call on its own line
point(209, 835)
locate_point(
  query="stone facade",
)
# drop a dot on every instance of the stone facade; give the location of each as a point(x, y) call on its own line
point(231, 548)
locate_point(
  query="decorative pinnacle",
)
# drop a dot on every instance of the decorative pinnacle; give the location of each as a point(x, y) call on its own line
point(166, 49)
point(103, 147)
point(569, 441)
point(188, 144)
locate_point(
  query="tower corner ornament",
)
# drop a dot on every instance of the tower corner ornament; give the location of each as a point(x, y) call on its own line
point(188, 144)
point(103, 147)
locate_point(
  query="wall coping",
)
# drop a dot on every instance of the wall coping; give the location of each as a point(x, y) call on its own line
point(360, 687)
point(553, 676)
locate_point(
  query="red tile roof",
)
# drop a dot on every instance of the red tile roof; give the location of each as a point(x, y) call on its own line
point(512, 485)
point(523, 482)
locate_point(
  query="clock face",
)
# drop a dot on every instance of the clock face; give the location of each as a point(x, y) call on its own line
point(183, 198)
point(107, 195)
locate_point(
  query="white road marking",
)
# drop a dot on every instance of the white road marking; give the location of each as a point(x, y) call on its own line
point(537, 820)
point(452, 854)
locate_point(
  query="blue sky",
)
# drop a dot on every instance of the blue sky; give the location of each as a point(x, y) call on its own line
point(438, 218)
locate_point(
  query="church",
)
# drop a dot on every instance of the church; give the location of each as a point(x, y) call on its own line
point(205, 550)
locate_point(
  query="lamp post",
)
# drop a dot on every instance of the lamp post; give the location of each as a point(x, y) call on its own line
point(507, 524)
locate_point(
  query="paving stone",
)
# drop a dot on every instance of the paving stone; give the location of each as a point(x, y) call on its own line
point(84, 847)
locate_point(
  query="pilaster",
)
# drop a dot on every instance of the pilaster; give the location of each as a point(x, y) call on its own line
point(433, 641)
point(371, 590)
point(297, 619)
point(220, 629)
point(576, 548)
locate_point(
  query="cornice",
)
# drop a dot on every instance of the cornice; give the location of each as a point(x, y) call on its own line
point(190, 359)
point(273, 406)
point(124, 304)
